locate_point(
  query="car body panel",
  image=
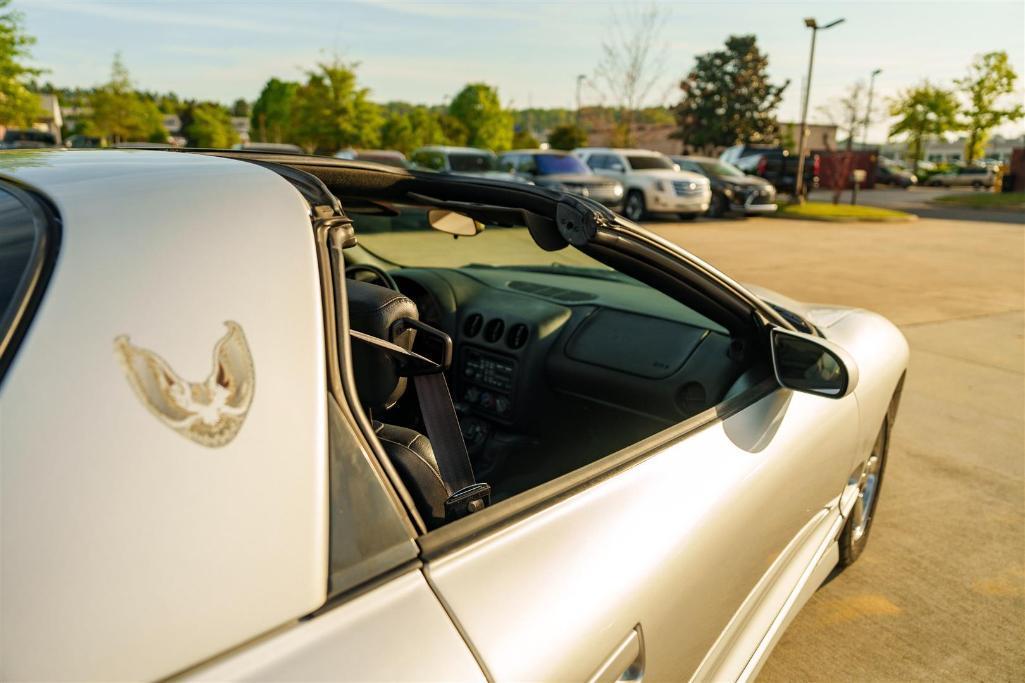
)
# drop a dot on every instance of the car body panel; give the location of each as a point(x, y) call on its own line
point(397, 631)
point(130, 551)
point(573, 609)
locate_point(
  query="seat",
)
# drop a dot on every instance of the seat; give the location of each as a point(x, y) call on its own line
point(373, 310)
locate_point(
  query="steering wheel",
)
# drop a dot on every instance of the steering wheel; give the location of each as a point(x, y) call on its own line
point(379, 275)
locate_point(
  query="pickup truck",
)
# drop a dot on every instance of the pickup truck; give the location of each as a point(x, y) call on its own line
point(775, 164)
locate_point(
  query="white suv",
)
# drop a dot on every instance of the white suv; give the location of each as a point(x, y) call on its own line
point(652, 182)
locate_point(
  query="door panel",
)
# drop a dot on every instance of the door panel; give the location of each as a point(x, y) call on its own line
point(396, 632)
point(673, 545)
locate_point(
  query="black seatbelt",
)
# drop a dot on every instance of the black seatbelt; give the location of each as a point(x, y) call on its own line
point(466, 495)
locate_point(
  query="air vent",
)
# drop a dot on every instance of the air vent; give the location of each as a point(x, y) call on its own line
point(494, 330)
point(556, 293)
point(517, 336)
point(472, 325)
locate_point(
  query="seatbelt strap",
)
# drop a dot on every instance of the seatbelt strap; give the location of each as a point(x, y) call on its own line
point(466, 495)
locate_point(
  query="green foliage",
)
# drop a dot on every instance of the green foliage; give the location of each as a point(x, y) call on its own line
point(924, 110)
point(567, 137)
point(120, 114)
point(210, 126)
point(19, 106)
point(478, 109)
point(524, 139)
point(408, 127)
point(990, 78)
point(727, 98)
point(271, 118)
point(241, 108)
point(841, 213)
point(330, 112)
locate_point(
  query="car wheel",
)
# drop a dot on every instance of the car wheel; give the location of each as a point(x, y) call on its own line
point(854, 536)
point(718, 207)
point(976, 185)
point(633, 208)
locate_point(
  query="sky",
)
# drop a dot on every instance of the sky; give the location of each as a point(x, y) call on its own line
point(532, 51)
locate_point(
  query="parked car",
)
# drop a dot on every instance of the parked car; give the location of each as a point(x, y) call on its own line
point(279, 147)
point(775, 164)
point(964, 176)
point(651, 182)
point(27, 138)
point(213, 469)
point(562, 171)
point(463, 161)
point(732, 189)
point(889, 173)
point(388, 157)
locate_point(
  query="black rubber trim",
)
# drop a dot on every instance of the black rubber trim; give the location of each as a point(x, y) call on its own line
point(469, 529)
point(47, 225)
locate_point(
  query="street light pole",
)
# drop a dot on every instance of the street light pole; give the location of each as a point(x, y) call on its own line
point(580, 80)
point(799, 181)
point(868, 110)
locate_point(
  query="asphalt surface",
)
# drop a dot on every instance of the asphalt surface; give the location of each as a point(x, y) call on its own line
point(939, 594)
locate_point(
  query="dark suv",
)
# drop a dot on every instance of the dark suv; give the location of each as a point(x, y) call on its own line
point(775, 164)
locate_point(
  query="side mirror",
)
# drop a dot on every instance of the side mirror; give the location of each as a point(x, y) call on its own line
point(813, 365)
point(453, 223)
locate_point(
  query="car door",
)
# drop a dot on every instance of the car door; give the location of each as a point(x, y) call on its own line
point(644, 559)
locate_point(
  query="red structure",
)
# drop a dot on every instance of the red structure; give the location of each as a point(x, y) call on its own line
point(836, 167)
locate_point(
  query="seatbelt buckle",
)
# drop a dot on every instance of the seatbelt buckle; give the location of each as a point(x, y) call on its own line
point(467, 500)
point(439, 342)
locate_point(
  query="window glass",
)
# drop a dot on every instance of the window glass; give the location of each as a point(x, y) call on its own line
point(648, 162)
point(469, 162)
point(21, 244)
point(597, 161)
point(550, 164)
point(527, 164)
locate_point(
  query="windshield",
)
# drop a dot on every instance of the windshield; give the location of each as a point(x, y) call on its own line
point(551, 164)
point(648, 162)
point(408, 240)
point(720, 168)
point(472, 163)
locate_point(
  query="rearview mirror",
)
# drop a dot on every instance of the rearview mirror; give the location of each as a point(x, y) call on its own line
point(812, 365)
point(453, 223)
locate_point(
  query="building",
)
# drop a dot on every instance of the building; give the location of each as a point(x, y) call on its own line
point(820, 135)
point(952, 152)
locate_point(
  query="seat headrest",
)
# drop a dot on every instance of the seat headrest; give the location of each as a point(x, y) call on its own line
point(373, 310)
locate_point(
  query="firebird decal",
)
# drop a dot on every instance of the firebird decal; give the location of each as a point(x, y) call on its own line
point(211, 412)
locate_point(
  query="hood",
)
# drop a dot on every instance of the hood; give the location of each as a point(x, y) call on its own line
point(747, 180)
point(589, 179)
point(670, 174)
point(820, 315)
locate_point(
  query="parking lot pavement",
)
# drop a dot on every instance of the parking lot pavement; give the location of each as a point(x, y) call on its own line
point(940, 592)
point(918, 200)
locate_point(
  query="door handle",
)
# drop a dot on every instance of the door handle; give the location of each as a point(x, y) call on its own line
point(626, 663)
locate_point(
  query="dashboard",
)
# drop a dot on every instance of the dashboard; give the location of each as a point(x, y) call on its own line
point(530, 343)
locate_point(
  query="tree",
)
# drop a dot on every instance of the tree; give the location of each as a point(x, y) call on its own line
point(478, 109)
point(271, 117)
point(524, 139)
point(567, 137)
point(210, 126)
point(408, 127)
point(845, 113)
point(923, 110)
point(330, 112)
point(632, 64)
point(18, 105)
point(990, 78)
point(120, 114)
point(241, 108)
point(727, 98)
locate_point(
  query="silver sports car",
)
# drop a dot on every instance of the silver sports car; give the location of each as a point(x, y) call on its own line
point(275, 417)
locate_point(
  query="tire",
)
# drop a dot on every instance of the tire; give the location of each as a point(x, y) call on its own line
point(854, 536)
point(686, 216)
point(976, 185)
point(719, 206)
point(633, 207)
